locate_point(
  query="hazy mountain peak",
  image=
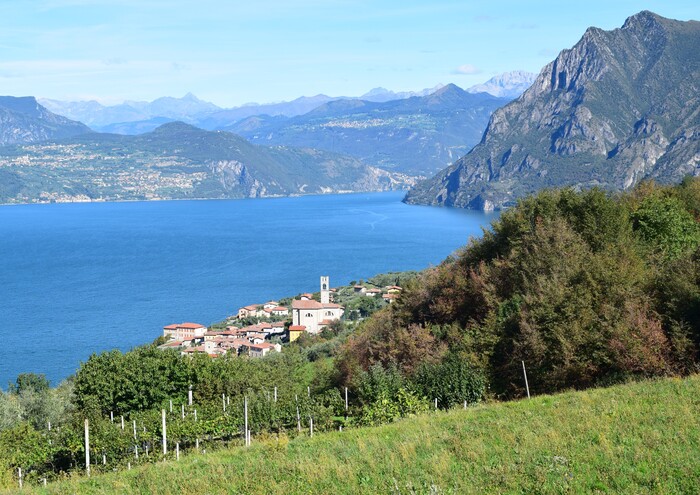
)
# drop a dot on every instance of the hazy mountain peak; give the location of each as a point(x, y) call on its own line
point(507, 85)
point(449, 89)
point(176, 127)
point(21, 104)
point(24, 120)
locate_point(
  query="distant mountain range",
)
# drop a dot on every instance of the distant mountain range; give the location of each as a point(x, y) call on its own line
point(23, 120)
point(189, 108)
point(417, 135)
point(619, 107)
point(136, 117)
point(177, 161)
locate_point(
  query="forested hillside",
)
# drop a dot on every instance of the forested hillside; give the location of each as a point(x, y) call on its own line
point(585, 288)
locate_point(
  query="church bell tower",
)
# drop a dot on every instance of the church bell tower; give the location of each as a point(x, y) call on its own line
point(325, 290)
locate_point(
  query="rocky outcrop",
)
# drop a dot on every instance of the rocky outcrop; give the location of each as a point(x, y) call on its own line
point(619, 107)
point(23, 120)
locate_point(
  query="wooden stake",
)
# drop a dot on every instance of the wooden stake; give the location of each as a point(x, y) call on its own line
point(111, 416)
point(136, 451)
point(436, 403)
point(196, 443)
point(49, 425)
point(183, 411)
point(308, 391)
point(19, 473)
point(104, 460)
point(122, 423)
point(195, 415)
point(87, 447)
point(128, 466)
point(275, 394)
point(346, 401)
point(245, 413)
point(527, 387)
point(171, 405)
point(223, 400)
point(177, 451)
point(298, 416)
point(465, 404)
point(134, 429)
point(311, 426)
point(189, 396)
point(165, 436)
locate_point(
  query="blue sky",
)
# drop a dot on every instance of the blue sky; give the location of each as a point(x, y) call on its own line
point(233, 52)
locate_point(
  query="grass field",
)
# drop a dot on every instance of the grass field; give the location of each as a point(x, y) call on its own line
point(636, 438)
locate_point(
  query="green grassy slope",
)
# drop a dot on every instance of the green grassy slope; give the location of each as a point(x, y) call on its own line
point(637, 438)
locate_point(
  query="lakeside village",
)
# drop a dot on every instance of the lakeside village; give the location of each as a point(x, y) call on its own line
point(275, 323)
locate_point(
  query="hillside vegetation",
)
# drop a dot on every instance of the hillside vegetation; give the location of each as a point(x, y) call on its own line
point(639, 438)
point(585, 288)
point(177, 161)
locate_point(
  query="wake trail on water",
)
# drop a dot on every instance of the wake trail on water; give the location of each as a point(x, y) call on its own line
point(372, 224)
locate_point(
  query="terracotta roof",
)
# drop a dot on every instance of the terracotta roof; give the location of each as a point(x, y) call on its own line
point(300, 304)
point(264, 345)
point(277, 324)
point(170, 327)
point(251, 307)
point(194, 349)
point(190, 325)
point(332, 306)
point(327, 322)
point(375, 291)
point(280, 308)
point(390, 296)
point(297, 328)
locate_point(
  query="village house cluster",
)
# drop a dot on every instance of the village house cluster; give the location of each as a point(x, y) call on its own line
point(307, 316)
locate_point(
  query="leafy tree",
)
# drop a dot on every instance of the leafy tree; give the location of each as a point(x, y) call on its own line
point(666, 226)
point(451, 382)
point(30, 381)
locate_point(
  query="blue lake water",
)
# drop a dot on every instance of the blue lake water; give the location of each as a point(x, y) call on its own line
point(82, 278)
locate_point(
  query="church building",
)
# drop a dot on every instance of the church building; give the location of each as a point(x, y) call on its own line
point(316, 315)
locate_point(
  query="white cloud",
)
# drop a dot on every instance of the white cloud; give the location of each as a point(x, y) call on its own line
point(467, 69)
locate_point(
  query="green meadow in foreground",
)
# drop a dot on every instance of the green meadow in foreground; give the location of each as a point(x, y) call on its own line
point(635, 438)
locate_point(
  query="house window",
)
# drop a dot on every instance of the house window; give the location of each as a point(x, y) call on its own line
point(309, 315)
point(329, 313)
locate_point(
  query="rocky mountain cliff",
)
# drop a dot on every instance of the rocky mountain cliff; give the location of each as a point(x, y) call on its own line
point(619, 107)
point(23, 120)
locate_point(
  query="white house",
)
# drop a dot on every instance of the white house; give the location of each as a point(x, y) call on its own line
point(316, 315)
point(262, 349)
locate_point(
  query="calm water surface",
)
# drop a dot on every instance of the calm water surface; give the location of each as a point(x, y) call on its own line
point(82, 278)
